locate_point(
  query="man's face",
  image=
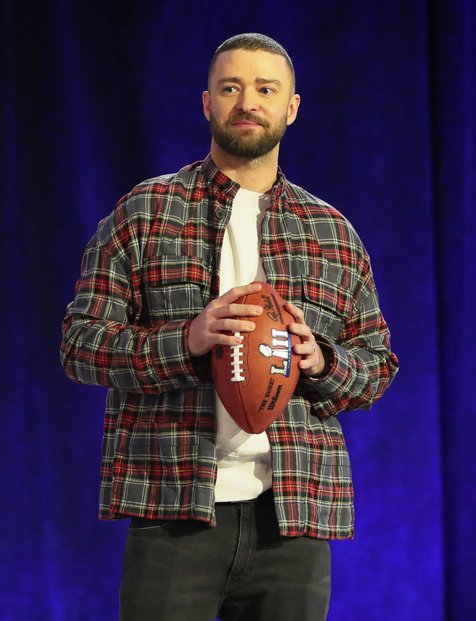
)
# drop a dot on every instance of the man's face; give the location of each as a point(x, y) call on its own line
point(250, 102)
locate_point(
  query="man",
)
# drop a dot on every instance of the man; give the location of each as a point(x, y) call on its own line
point(223, 522)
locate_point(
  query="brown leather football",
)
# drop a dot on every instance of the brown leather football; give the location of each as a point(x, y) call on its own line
point(256, 379)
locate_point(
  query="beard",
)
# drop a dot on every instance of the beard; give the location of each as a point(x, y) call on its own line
point(246, 144)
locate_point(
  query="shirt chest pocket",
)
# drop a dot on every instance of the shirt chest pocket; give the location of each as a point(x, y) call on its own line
point(175, 288)
point(326, 300)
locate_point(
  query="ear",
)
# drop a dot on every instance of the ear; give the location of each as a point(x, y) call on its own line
point(207, 104)
point(293, 108)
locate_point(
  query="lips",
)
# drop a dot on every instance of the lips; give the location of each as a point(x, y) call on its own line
point(250, 123)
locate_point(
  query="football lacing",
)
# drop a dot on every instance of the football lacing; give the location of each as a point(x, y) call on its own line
point(237, 362)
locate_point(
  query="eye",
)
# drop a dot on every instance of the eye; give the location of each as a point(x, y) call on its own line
point(266, 90)
point(229, 89)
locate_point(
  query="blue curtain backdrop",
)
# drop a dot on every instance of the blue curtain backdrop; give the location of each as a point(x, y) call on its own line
point(97, 97)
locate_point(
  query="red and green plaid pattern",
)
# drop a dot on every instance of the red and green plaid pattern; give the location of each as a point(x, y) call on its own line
point(149, 269)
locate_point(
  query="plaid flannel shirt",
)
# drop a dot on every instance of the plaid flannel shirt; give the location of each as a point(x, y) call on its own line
point(150, 268)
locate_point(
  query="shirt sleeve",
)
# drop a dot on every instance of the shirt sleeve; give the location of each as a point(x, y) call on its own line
point(362, 363)
point(103, 341)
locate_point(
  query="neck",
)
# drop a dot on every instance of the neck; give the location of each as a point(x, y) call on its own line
point(258, 174)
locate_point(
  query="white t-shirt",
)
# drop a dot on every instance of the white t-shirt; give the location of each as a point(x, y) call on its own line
point(244, 460)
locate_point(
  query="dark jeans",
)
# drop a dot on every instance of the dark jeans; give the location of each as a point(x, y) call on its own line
point(240, 570)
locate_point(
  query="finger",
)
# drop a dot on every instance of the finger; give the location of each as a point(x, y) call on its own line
point(222, 338)
point(310, 366)
point(235, 293)
point(305, 349)
point(301, 330)
point(232, 325)
point(307, 363)
point(238, 310)
point(295, 312)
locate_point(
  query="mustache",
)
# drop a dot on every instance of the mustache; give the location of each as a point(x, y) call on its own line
point(247, 116)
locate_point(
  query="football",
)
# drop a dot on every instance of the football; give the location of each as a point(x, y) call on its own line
point(256, 379)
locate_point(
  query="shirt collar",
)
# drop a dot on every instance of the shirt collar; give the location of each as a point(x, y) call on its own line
point(220, 181)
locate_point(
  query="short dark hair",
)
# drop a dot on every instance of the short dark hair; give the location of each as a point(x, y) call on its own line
point(253, 41)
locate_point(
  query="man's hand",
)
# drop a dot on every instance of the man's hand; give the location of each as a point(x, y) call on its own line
point(219, 317)
point(312, 358)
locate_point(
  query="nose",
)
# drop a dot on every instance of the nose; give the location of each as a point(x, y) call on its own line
point(247, 100)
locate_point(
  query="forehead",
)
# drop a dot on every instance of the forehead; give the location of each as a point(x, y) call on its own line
point(251, 65)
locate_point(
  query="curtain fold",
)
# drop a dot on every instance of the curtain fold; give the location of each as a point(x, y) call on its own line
point(454, 134)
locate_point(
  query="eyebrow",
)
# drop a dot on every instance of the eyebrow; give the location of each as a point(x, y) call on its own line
point(237, 80)
point(268, 81)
